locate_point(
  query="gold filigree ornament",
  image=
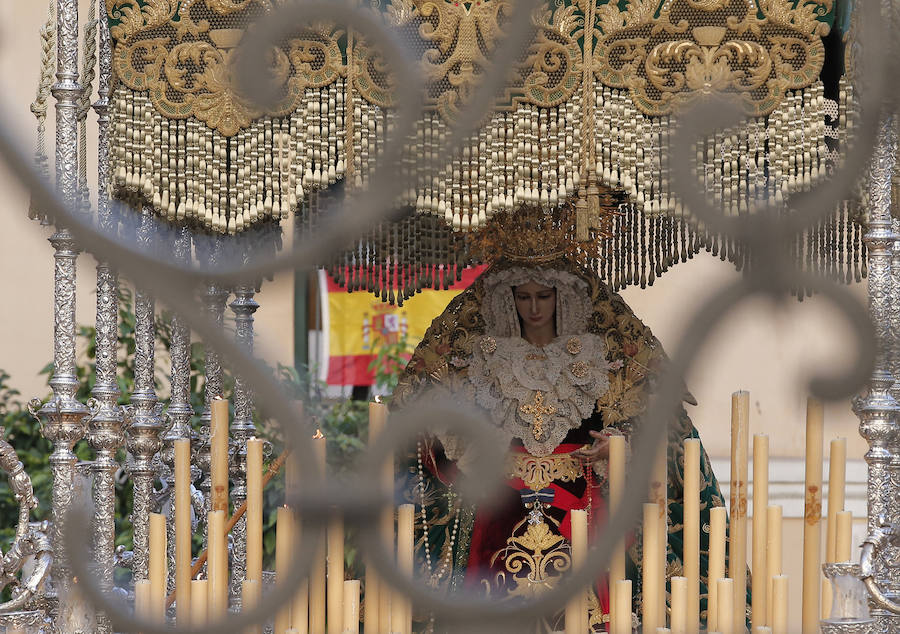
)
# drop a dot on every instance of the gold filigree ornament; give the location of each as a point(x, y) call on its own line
point(184, 59)
point(457, 40)
point(534, 558)
point(538, 472)
point(537, 410)
point(697, 47)
point(573, 345)
point(580, 369)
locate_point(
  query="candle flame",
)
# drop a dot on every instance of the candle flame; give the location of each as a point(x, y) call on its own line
point(378, 398)
point(319, 434)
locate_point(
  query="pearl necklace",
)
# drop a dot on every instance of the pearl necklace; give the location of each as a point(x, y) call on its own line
point(445, 566)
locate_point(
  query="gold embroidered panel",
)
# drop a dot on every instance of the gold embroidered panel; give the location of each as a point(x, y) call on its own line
point(455, 42)
point(697, 47)
point(181, 54)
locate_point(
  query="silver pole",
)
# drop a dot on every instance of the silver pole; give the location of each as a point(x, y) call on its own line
point(878, 410)
point(144, 421)
point(242, 428)
point(179, 411)
point(63, 415)
point(105, 433)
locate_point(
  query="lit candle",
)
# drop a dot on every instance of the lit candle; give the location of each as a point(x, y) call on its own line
point(616, 487)
point(837, 472)
point(844, 537)
point(759, 579)
point(318, 571)
point(737, 561)
point(250, 590)
point(254, 509)
point(218, 454)
point(351, 607)
point(183, 531)
point(773, 553)
point(650, 572)
point(780, 604)
point(679, 605)
point(284, 557)
point(623, 607)
point(199, 596)
point(812, 530)
point(725, 600)
point(717, 521)
point(335, 575)
point(692, 533)
point(158, 570)
point(217, 565)
point(378, 414)
point(576, 609)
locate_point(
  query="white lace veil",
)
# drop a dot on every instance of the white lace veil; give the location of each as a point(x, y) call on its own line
point(573, 305)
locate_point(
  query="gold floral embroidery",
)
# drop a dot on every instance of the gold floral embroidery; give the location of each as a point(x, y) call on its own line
point(670, 59)
point(185, 63)
point(539, 472)
point(580, 369)
point(532, 557)
point(573, 345)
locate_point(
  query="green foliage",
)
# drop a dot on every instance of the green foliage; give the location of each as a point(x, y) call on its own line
point(390, 359)
point(344, 422)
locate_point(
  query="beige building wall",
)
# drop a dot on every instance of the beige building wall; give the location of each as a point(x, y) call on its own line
point(765, 348)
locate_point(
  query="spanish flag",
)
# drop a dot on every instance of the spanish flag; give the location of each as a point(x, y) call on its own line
point(357, 323)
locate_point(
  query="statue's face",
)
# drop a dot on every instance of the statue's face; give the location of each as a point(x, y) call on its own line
point(536, 305)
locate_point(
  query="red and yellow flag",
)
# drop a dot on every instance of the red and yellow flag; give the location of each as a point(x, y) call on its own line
point(356, 323)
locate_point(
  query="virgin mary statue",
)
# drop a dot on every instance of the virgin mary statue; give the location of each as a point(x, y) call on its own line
point(557, 363)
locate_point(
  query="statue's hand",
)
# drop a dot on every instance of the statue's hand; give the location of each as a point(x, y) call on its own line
point(599, 450)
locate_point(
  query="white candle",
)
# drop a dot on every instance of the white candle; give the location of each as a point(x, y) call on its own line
point(405, 554)
point(250, 591)
point(576, 609)
point(759, 579)
point(650, 576)
point(692, 533)
point(780, 604)
point(254, 509)
point(351, 607)
point(680, 605)
point(218, 454)
point(335, 576)
point(217, 566)
point(616, 487)
point(844, 536)
point(812, 526)
point(725, 598)
point(183, 531)
point(773, 553)
point(659, 494)
point(378, 414)
point(143, 602)
point(737, 562)
point(837, 472)
point(284, 556)
point(623, 607)
point(717, 521)
point(318, 571)
point(199, 602)
point(158, 568)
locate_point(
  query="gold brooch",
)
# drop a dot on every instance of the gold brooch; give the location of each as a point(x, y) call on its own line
point(488, 345)
point(573, 345)
point(580, 369)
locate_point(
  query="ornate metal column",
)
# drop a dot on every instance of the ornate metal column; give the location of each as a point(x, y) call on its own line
point(179, 411)
point(878, 410)
point(105, 433)
point(63, 415)
point(214, 306)
point(144, 421)
point(242, 428)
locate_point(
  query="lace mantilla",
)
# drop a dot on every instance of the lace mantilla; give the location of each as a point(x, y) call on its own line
point(573, 304)
point(539, 394)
